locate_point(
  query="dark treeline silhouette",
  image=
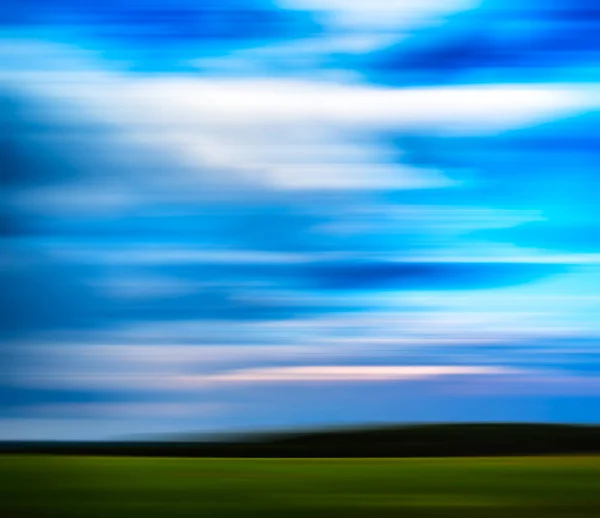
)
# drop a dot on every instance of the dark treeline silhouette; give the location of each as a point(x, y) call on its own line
point(444, 440)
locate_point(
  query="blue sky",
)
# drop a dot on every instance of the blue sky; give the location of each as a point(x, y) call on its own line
point(255, 214)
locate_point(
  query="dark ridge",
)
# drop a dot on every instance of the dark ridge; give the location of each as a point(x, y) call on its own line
point(443, 440)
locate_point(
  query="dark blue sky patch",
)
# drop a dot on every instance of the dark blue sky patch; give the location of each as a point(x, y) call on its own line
point(495, 43)
point(233, 304)
point(416, 276)
point(155, 37)
point(40, 294)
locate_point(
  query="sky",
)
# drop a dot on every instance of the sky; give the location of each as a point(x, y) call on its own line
point(259, 214)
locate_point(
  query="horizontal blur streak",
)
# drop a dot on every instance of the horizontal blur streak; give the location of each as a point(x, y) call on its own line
point(344, 373)
point(255, 213)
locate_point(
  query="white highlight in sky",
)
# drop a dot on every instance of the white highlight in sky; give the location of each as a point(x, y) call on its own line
point(379, 14)
point(288, 134)
point(282, 133)
point(354, 373)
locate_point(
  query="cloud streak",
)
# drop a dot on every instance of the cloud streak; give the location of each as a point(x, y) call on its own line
point(337, 373)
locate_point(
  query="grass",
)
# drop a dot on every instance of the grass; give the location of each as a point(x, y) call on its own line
point(115, 487)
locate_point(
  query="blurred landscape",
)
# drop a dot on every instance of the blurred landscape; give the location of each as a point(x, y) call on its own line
point(299, 257)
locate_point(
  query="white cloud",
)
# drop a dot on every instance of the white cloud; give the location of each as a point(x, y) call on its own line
point(334, 373)
point(181, 368)
point(355, 176)
point(379, 14)
point(250, 104)
point(282, 133)
point(328, 373)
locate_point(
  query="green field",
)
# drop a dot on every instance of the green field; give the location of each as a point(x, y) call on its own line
point(173, 487)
